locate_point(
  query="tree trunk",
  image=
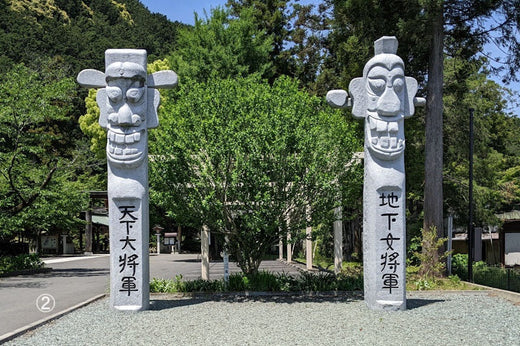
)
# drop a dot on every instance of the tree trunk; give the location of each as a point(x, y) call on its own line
point(433, 180)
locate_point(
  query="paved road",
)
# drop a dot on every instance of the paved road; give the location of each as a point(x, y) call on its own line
point(70, 283)
point(74, 280)
point(166, 266)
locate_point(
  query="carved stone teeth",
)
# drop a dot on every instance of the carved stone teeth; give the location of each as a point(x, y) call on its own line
point(118, 151)
point(385, 143)
point(129, 139)
point(111, 149)
point(393, 127)
point(382, 126)
point(120, 139)
point(137, 136)
point(375, 140)
point(393, 142)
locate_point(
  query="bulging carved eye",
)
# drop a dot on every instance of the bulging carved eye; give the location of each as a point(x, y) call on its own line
point(398, 85)
point(134, 94)
point(114, 93)
point(377, 86)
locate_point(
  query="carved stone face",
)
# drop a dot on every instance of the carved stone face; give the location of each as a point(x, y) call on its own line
point(385, 88)
point(126, 94)
point(383, 97)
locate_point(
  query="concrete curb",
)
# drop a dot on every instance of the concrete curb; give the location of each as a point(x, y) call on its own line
point(11, 335)
point(513, 297)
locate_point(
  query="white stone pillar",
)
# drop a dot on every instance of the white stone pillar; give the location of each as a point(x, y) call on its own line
point(308, 247)
point(128, 108)
point(225, 258)
point(280, 249)
point(308, 240)
point(289, 248)
point(64, 240)
point(450, 242)
point(204, 252)
point(158, 236)
point(383, 97)
point(179, 238)
point(338, 240)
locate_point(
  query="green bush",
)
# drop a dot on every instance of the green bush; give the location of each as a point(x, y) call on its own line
point(262, 282)
point(9, 264)
point(498, 277)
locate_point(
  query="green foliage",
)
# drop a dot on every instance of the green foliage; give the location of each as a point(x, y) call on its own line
point(431, 262)
point(80, 31)
point(492, 276)
point(496, 163)
point(273, 18)
point(89, 124)
point(459, 265)
point(38, 150)
point(415, 281)
point(262, 282)
point(221, 47)
point(239, 156)
point(9, 264)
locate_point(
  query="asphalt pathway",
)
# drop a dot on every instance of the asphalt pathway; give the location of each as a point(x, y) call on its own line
point(75, 280)
point(167, 266)
point(70, 282)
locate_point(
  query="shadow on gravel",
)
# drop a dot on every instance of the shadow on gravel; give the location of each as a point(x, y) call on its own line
point(165, 304)
point(419, 303)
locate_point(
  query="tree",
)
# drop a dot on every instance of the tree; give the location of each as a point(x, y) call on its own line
point(246, 160)
point(467, 84)
point(462, 23)
point(222, 47)
point(428, 30)
point(433, 149)
point(39, 153)
point(272, 17)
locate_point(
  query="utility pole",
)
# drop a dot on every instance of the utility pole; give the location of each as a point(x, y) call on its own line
point(471, 240)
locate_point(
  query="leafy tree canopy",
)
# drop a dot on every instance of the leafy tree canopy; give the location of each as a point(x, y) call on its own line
point(248, 159)
point(222, 47)
point(39, 154)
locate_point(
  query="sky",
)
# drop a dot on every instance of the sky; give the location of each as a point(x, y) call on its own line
point(182, 10)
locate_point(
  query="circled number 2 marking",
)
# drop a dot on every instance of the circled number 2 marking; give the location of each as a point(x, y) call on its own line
point(45, 303)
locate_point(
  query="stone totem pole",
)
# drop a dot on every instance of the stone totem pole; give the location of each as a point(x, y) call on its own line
point(128, 105)
point(383, 97)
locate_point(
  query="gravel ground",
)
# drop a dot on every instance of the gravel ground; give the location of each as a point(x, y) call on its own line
point(432, 318)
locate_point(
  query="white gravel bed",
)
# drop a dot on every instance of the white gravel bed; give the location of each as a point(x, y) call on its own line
point(432, 318)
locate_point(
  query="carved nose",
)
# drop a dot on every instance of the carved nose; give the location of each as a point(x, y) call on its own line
point(389, 103)
point(125, 116)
